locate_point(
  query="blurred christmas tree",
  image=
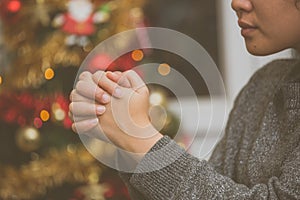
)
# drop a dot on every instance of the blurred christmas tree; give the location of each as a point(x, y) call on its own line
point(43, 42)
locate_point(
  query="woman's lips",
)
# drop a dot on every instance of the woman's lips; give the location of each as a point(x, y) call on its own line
point(246, 32)
point(247, 28)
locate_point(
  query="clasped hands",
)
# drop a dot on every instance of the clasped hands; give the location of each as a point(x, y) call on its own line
point(116, 105)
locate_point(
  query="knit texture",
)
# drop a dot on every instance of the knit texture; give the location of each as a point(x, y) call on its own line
point(257, 158)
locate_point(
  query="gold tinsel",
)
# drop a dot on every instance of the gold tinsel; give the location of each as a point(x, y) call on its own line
point(71, 165)
point(36, 44)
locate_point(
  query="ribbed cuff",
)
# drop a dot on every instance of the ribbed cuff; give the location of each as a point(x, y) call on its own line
point(161, 171)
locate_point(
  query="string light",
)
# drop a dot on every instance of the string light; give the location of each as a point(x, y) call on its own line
point(164, 69)
point(49, 74)
point(137, 55)
point(44, 115)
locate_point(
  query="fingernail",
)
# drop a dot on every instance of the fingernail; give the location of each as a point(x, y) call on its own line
point(100, 110)
point(118, 93)
point(105, 98)
point(93, 121)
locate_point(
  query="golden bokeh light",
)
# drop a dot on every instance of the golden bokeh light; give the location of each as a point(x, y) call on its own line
point(59, 114)
point(164, 69)
point(156, 98)
point(137, 55)
point(49, 74)
point(44, 115)
point(1, 80)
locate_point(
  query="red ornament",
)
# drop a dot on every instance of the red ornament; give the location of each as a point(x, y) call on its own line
point(9, 11)
point(14, 6)
point(24, 108)
point(109, 193)
point(105, 63)
point(100, 62)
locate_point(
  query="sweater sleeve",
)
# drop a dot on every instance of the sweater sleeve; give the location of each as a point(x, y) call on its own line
point(190, 178)
point(179, 175)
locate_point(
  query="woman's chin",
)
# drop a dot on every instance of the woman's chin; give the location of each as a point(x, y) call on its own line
point(262, 51)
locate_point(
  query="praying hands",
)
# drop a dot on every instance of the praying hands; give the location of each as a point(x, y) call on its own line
point(113, 106)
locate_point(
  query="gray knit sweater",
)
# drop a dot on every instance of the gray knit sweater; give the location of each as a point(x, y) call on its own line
point(258, 157)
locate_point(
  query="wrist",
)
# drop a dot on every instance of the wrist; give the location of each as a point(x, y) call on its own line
point(143, 145)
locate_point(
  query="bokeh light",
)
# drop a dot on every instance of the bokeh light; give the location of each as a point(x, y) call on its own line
point(44, 115)
point(31, 134)
point(59, 114)
point(137, 55)
point(37, 122)
point(164, 69)
point(49, 74)
point(14, 6)
point(156, 98)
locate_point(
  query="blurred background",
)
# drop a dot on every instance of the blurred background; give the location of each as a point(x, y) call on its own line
point(42, 45)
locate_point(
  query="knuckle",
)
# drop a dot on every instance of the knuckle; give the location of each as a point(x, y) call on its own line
point(84, 75)
point(73, 95)
point(99, 93)
point(74, 127)
point(131, 72)
point(71, 106)
point(126, 73)
point(79, 85)
point(98, 75)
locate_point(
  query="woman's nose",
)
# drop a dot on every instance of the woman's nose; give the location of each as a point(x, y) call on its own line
point(240, 6)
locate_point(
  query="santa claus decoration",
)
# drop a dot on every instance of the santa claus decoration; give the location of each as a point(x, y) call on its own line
point(79, 21)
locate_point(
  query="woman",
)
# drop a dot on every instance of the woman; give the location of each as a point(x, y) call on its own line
point(259, 155)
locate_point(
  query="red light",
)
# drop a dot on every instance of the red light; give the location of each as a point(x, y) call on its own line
point(14, 6)
point(38, 122)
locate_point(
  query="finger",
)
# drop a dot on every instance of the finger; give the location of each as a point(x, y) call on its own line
point(79, 118)
point(80, 109)
point(85, 125)
point(70, 115)
point(118, 72)
point(114, 76)
point(98, 133)
point(75, 97)
point(106, 84)
point(86, 75)
point(119, 78)
point(135, 81)
point(91, 91)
